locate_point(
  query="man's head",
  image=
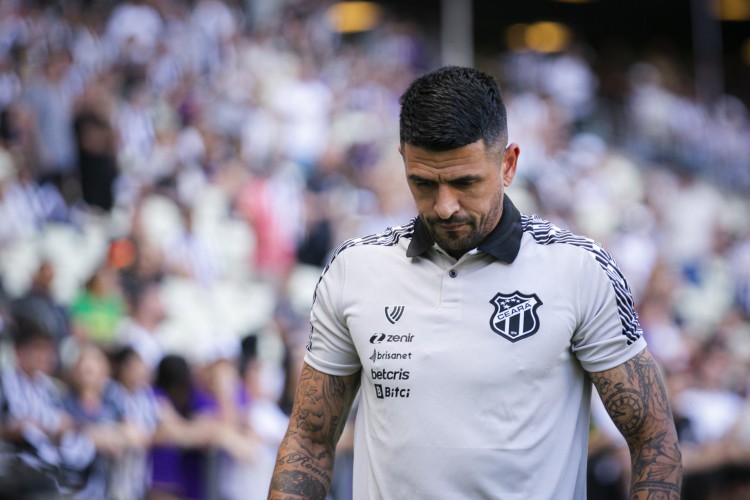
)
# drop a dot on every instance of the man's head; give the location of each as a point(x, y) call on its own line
point(453, 107)
point(453, 140)
point(146, 303)
point(35, 349)
point(44, 277)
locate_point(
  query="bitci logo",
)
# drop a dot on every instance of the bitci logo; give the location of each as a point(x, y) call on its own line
point(383, 392)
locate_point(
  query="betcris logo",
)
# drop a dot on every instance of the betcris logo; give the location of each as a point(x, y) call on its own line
point(384, 374)
point(379, 338)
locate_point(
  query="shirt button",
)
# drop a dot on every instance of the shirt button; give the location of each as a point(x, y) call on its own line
point(452, 273)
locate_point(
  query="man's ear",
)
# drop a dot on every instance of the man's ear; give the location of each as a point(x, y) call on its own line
point(510, 163)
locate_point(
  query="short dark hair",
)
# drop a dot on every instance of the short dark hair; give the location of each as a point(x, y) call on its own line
point(25, 331)
point(119, 357)
point(136, 290)
point(452, 107)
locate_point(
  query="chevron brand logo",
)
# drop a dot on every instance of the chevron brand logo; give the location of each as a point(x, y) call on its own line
point(394, 313)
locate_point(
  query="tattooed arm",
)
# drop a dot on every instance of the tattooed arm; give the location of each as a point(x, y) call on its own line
point(634, 396)
point(304, 463)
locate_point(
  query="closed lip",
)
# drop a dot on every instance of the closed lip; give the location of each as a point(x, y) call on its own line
point(451, 227)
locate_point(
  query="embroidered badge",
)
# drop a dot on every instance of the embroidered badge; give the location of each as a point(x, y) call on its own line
point(515, 316)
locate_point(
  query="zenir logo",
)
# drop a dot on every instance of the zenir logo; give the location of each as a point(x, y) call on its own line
point(394, 313)
point(377, 338)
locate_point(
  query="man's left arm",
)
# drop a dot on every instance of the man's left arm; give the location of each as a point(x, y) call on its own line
point(636, 399)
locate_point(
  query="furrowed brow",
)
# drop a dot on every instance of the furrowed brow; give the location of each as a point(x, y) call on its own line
point(419, 178)
point(466, 178)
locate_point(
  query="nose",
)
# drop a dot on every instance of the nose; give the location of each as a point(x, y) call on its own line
point(446, 202)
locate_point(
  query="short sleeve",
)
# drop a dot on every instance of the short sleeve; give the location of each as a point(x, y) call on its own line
point(330, 348)
point(608, 332)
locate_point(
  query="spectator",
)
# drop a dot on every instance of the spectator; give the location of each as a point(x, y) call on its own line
point(199, 433)
point(19, 211)
point(96, 148)
point(139, 329)
point(249, 480)
point(191, 255)
point(187, 435)
point(304, 105)
point(95, 405)
point(712, 418)
point(98, 308)
point(271, 203)
point(218, 27)
point(131, 475)
point(135, 124)
point(51, 96)
point(134, 29)
point(49, 456)
point(39, 304)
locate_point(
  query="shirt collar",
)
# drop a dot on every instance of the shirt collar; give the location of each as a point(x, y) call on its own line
point(502, 243)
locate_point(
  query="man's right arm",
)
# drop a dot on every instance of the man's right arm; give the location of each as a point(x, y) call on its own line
point(304, 464)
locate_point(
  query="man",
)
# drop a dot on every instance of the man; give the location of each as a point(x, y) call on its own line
point(475, 333)
point(38, 305)
point(139, 329)
point(45, 455)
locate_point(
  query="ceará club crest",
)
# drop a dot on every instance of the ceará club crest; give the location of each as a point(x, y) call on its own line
point(515, 315)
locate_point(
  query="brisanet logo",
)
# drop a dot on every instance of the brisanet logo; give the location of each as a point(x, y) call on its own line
point(378, 355)
point(379, 338)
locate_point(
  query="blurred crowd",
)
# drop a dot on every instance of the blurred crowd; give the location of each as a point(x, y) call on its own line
point(174, 174)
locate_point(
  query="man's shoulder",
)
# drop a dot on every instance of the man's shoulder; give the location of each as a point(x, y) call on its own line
point(386, 239)
point(15, 380)
point(544, 232)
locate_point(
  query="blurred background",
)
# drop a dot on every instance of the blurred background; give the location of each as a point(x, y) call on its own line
point(174, 175)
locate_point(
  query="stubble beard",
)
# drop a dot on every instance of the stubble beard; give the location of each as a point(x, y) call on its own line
point(455, 243)
point(458, 243)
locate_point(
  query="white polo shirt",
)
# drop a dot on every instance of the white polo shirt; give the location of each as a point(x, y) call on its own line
point(474, 377)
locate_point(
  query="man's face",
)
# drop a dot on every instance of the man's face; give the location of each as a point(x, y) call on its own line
point(44, 277)
point(37, 356)
point(459, 192)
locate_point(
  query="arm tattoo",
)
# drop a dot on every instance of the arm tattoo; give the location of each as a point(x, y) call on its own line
point(305, 460)
point(636, 400)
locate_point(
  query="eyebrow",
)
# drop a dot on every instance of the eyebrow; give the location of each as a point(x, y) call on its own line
point(463, 178)
point(415, 177)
